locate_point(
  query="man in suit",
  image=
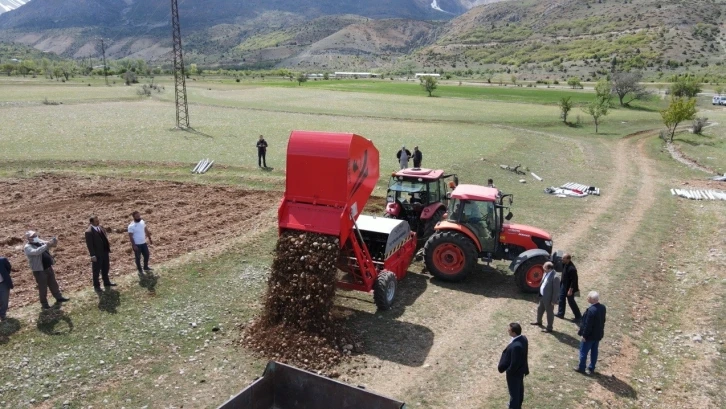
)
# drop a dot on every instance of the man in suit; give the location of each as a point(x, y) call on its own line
point(514, 363)
point(592, 330)
point(568, 288)
point(99, 249)
point(549, 291)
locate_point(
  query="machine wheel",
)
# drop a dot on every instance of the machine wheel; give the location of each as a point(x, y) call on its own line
point(529, 274)
point(384, 290)
point(450, 255)
point(431, 224)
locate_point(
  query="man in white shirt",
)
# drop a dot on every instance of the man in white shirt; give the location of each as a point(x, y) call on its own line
point(549, 296)
point(138, 235)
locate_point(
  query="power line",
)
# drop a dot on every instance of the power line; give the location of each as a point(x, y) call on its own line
point(180, 86)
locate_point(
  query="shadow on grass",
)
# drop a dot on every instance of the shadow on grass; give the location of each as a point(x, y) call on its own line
point(488, 282)
point(8, 328)
point(696, 142)
point(637, 108)
point(148, 281)
point(267, 169)
point(198, 133)
point(567, 339)
point(109, 301)
point(49, 322)
point(615, 385)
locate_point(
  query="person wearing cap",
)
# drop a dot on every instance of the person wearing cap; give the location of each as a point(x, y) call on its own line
point(6, 284)
point(417, 157)
point(41, 263)
point(403, 156)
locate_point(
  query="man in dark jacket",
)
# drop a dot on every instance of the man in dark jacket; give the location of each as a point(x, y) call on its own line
point(99, 249)
point(417, 157)
point(6, 284)
point(514, 363)
point(261, 152)
point(592, 331)
point(568, 288)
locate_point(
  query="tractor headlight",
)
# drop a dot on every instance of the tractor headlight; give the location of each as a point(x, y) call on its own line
point(548, 243)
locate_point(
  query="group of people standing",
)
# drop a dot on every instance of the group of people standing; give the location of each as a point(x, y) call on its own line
point(41, 261)
point(554, 291)
point(404, 156)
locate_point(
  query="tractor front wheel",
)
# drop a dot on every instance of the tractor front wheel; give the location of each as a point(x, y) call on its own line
point(384, 290)
point(450, 255)
point(529, 274)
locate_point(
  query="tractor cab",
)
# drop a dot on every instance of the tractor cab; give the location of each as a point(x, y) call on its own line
point(420, 197)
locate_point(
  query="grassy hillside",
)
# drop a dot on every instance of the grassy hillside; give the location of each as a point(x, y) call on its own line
point(585, 36)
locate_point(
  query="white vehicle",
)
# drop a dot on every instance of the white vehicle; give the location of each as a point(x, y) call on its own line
point(718, 100)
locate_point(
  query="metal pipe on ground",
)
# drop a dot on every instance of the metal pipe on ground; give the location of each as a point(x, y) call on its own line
point(209, 166)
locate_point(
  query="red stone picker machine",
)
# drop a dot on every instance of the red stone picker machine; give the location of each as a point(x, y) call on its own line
point(330, 177)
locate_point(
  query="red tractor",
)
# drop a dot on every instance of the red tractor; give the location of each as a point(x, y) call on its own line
point(477, 228)
point(418, 196)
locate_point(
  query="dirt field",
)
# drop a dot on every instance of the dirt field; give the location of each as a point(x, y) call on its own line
point(182, 218)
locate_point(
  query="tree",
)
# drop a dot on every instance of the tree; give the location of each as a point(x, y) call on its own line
point(574, 82)
point(67, 69)
point(680, 109)
point(685, 87)
point(627, 86)
point(597, 109)
point(565, 107)
point(602, 92)
point(193, 70)
point(514, 80)
point(8, 68)
point(326, 76)
point(719, 90)
point(428, 83)
point(301, 78)
point(130, 78)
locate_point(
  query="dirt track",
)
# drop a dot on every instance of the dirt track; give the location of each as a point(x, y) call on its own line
point(182, 218)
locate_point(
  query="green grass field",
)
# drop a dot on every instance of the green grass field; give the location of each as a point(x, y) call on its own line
point(441, 341)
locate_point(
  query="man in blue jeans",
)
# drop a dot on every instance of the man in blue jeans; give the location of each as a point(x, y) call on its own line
point(592, 331)
point(138, 235)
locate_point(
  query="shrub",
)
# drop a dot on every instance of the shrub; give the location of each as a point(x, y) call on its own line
point(698, 125)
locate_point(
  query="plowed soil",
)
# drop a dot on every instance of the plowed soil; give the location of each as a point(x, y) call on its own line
point(182, 217)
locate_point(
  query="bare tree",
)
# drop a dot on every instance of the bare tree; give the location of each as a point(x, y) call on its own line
point(627, 86)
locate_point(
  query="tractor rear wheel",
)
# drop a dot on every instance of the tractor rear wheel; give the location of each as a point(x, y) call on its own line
point(450, 255)
point(431, 224)
point(529, 274)
point(384, 290)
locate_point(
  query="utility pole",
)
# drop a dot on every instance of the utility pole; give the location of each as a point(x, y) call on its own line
point(105, 68)
point(180, 85)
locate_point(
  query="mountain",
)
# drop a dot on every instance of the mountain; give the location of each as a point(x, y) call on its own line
point(215, 30)
point(536, 38)
point(585, 36)
point(7, 5)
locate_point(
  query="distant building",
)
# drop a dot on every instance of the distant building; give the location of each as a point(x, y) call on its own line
point(355, 74)
point(423, 74)
point(313, 76)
